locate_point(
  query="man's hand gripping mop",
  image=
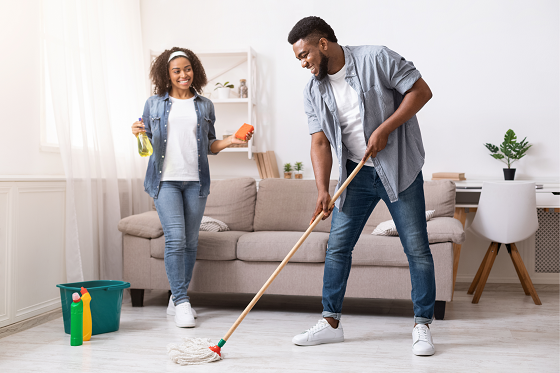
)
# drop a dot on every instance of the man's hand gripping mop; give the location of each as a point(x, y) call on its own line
point(199, 351)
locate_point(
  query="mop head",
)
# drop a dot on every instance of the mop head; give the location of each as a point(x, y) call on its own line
point(193, 351)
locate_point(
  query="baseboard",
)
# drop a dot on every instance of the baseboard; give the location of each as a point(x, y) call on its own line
point(31, 322)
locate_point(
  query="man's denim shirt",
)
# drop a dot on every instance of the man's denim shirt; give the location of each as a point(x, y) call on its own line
point(381, 77)
point(156, 113)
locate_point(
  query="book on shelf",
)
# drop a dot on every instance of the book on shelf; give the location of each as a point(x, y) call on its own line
point(273, 163)
point(458, 176)
point(267, 165)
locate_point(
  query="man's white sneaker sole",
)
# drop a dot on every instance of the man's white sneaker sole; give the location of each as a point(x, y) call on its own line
point(319, 341)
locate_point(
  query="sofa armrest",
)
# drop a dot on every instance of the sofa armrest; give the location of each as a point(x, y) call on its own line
point(145, 225)
point(136, 261)
point(445, 229)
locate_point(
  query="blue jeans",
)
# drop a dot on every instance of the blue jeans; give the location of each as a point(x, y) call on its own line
point(180, 211)
point(409, 216)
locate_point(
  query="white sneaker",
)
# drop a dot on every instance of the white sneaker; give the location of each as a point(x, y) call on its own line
point(422, 343)
point(323, 332)
point(171, 308)
point(183, 316)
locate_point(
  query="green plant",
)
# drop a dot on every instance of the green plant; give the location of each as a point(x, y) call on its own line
point(510, 150)
point(298, 166)
point(225, 85)
point(288, 167)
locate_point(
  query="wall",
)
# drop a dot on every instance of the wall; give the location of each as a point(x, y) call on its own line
point(20, 74)
point(492, 65)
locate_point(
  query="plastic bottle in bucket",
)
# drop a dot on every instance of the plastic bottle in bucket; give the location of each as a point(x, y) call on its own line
point(76, 321)
point(86, 298)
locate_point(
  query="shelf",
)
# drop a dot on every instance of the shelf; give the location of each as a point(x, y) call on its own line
point(236, 150)
point(230, 101)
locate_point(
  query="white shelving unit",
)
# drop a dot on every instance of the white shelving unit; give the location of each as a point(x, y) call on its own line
point(230, 65)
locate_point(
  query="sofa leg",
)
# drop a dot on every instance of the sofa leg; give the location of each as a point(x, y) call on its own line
point(137, 296)
point(439, 310)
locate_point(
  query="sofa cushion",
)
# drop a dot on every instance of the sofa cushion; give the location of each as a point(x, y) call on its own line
point(288, 205)
point(273, 246)
point(445, 230)
point(233, 202)
point(439, 196)
point(145, 225)
point(211, 245)
point(379, 251)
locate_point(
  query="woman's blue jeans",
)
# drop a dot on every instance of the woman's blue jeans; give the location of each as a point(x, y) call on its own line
point(180, 211)
point(409, 215)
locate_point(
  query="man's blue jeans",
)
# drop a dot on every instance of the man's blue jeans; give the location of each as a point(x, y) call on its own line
point(180, 211)
point(409, 215)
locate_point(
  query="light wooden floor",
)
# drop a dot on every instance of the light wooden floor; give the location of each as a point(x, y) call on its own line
point(505, 332)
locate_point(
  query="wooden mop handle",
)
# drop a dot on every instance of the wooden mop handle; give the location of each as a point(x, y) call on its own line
point(291, 253)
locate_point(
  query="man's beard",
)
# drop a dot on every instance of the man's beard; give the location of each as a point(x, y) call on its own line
point(323, 67)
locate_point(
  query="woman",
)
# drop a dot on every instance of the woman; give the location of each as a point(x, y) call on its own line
point(180, 124)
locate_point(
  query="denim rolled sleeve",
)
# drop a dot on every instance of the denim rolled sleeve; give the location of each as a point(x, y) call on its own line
point(395, 72)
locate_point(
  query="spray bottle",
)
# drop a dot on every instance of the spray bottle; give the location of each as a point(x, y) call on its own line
point(144, 145)
point(76, 321)
point(86, 298)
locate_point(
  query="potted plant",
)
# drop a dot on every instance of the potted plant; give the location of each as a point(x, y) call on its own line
point(299, 167)
point(509, 151)
point(287, 171)
point(223, 90)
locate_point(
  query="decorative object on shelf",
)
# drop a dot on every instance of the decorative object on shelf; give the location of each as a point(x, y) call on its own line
point(299, 168)
point(509, 151)
point(243, 89)
point(456, 176)
point(224, 90)
point(287, 171)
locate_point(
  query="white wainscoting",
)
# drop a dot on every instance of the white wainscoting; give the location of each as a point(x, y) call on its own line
point(32, 228)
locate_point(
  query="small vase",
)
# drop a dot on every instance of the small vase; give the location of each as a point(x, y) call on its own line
point(287, 175)
point(223, 93)
point(299, 176)
point(509, 173)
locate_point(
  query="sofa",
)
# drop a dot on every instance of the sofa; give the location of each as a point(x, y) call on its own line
point(266, 224)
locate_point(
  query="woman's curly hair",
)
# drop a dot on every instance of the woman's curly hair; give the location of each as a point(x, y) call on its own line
point(159, 72)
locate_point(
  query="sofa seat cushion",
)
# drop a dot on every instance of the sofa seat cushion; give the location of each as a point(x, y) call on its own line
point(272, 246)
point(445, 230)
point(211, 245)
point(379, 251)
point(145, 225)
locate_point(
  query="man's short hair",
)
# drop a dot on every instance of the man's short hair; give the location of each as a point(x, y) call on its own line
point(311, 27)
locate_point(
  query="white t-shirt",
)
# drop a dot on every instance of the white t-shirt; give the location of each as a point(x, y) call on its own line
point(181, 156)
point(351, 124)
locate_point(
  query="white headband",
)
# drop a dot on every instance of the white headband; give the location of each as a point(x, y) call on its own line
point(175, 54)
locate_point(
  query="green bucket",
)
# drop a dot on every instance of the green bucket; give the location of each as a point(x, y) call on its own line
point(106, 301)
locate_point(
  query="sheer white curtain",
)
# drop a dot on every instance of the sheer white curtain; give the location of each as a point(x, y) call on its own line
point(95, 82)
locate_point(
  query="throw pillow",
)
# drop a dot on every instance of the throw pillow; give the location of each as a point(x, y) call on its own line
point(388, 228)
point(209, 224)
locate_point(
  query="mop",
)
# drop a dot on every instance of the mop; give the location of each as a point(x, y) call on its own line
point(194, 351)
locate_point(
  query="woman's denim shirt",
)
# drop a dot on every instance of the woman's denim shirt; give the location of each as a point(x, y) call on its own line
point(155, 116)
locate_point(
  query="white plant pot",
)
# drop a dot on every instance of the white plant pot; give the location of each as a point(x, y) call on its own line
point(223, 93)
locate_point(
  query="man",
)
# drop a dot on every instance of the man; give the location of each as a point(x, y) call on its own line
point(362, 101)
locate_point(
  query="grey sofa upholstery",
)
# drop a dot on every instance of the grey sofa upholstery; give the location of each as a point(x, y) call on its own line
point(265, 225)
